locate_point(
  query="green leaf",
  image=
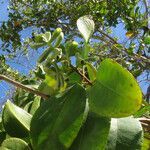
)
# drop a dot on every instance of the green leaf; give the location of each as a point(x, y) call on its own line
point(46, 36)
point(147, 40)
point(93, 135)
point(125, 134)
point(45, 54)
point(86, 27)
point(59, 40)
point(35, 105)
point(27, 107)
point(16, 121)
point(36, 45)
point(55, 34)
point(53, 56)
point(86, 50)
point(143, 111)
point(74, 78)
point(146, 144)
point(14, 144)
point(38, 38)
point(2, 136)
point(50, 85)
point(115, 92)
point(91, 71)
point(71, 47)
point(61, 120)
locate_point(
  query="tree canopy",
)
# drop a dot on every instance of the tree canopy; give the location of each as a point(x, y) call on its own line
point(83, 92)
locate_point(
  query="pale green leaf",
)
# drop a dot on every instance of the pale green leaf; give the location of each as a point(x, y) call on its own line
point(86, 27)
point(14, 144)
point(125, 134)
point(46, 36)
point(16, 121)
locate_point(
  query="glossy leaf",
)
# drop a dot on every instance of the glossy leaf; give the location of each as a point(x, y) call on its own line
point(125, 134)
point(16, 121)
point(14, 144)
point(93, 135)
point(86, 27)
point(61, 120)
point(115, 92)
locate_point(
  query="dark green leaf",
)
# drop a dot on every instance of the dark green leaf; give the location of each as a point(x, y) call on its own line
point(93, 135)
point(57, 122)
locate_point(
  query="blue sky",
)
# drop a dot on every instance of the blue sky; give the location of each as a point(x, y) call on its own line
point(30, 61)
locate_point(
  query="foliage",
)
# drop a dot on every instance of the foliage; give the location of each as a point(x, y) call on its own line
point(47, 15)
point(80, 103)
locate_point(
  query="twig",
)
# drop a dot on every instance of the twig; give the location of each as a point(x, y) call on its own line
point(82, 75)
point(145, 122)
point(22, 86)
point(112, 39)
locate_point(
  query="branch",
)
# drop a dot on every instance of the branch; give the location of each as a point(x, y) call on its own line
point(145, 122)
point(22, 86)
point(112, 39)
point(82, 75)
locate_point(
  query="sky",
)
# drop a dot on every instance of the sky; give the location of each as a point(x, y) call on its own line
point(24, 68)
